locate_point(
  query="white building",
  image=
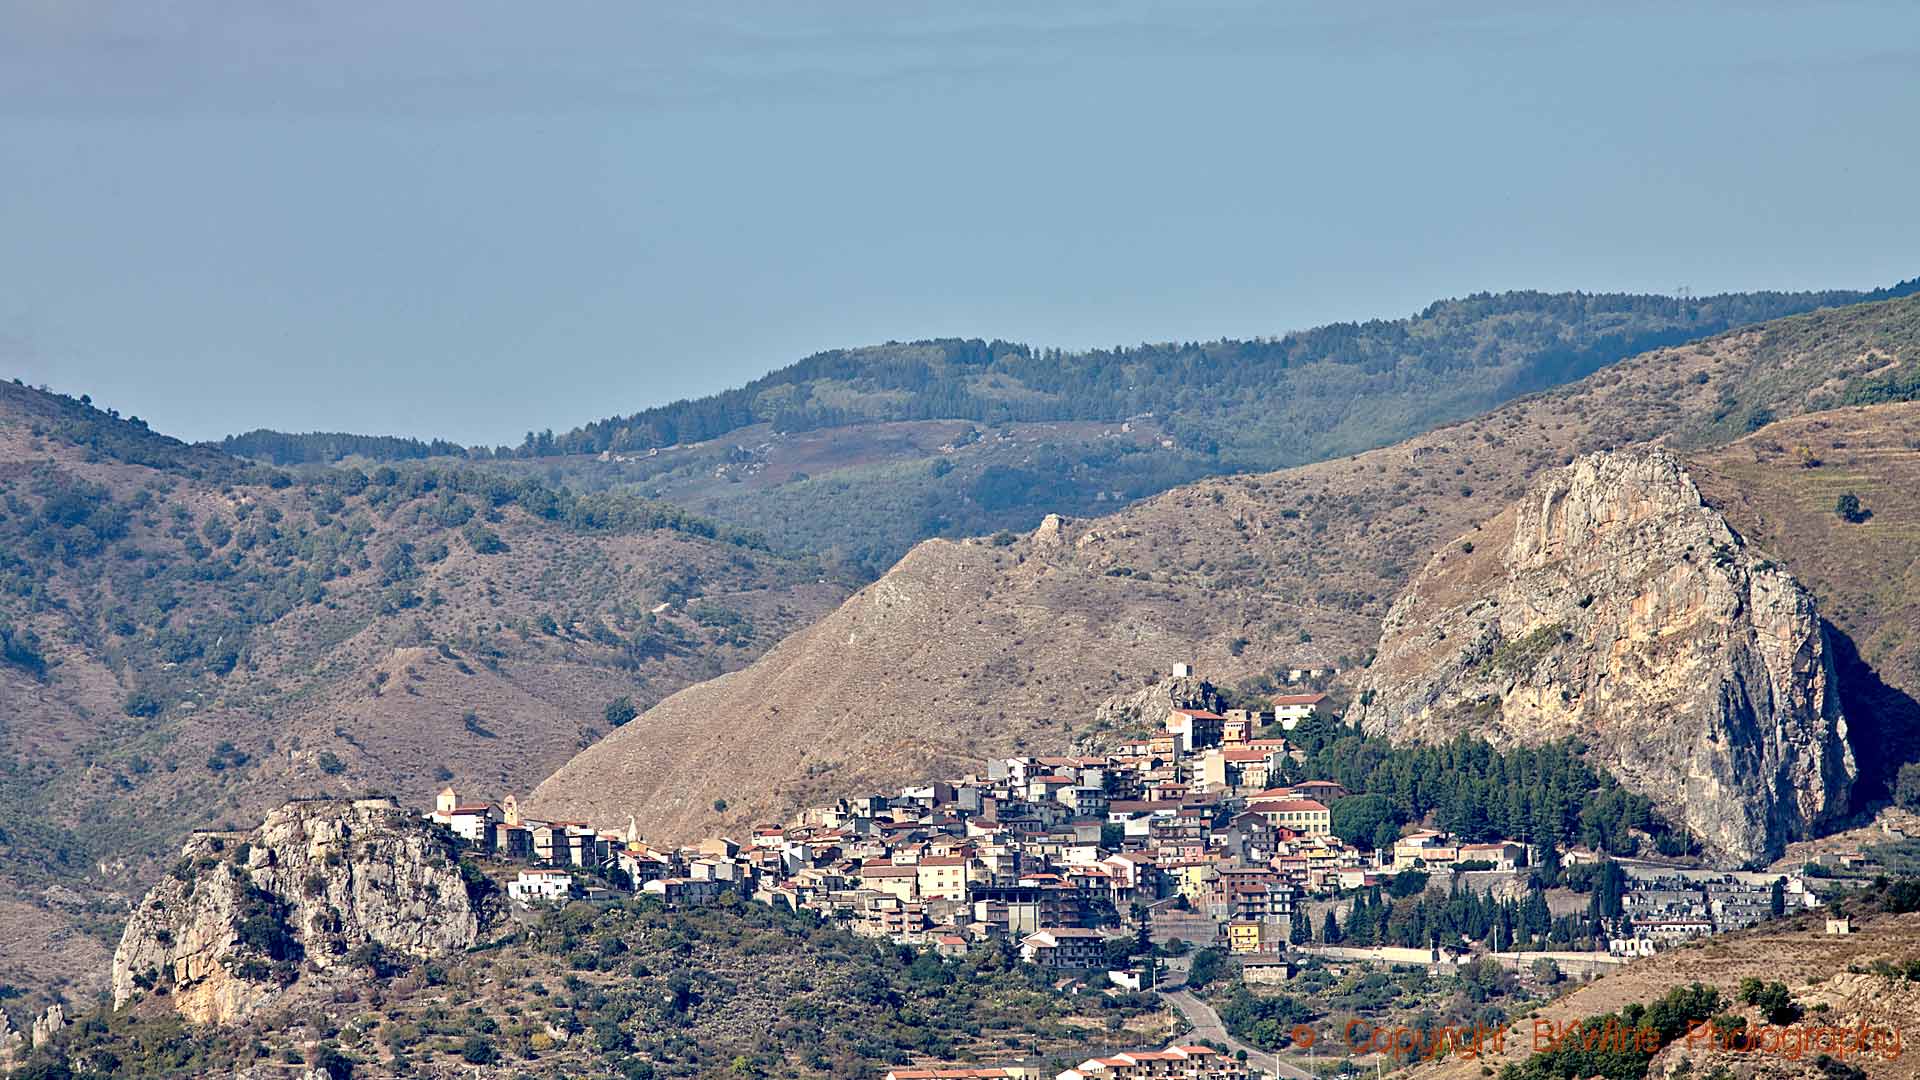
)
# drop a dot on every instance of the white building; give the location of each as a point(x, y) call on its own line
point(541, 885)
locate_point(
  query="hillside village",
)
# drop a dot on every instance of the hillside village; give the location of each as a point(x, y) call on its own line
point(1186, 834)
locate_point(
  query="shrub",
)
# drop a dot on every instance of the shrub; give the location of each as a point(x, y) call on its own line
point(620, 710)
point(142, 704)
point(22, 650)
point(478, 1050)
point(482, 540)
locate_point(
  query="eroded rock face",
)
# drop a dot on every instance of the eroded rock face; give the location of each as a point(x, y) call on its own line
point(241, 917)
point(13, 1044)
point(1611, 604)
point(1148, 708)
point(49, 1024)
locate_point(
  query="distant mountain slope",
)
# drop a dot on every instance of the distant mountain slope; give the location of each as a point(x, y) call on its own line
point(329, 447)
point(864, 452)
point(186, 638)
point(972, 647)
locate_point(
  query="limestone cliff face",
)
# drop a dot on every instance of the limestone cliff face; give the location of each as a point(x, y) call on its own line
point(1611, 604)
point(243, 916)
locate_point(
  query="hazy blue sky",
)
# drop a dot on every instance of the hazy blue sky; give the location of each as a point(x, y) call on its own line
point(468, 219)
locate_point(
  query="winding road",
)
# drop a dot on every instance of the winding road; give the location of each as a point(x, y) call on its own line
point(1208, 1026)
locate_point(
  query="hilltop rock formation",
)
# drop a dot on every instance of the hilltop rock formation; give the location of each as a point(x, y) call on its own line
point(1611, 604)
point(321, 885)
point(1147, 709)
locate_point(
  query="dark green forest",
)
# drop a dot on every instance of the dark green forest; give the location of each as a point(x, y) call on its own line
point(1543, 795)
point(326, 447)
point(1266, 402)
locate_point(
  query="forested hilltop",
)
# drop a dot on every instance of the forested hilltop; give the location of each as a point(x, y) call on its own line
point(1265, 403)
point(861, 453)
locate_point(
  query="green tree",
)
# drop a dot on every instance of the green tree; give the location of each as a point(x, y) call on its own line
point(1906, 787)
point(1208, 965)
point(1357, 819)
point(620, 710)
point(1609, 889)
point(1849, 508)
point(1773, 1000)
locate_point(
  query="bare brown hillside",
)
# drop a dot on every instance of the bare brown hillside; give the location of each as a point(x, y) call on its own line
point(188, 640)
point(966, 648)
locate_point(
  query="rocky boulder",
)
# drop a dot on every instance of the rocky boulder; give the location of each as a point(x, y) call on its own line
point(1611, 604)
point(321, 886)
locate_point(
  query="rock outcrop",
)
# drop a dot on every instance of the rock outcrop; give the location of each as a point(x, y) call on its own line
point(49, 1024)
point(13, 1044)
point(1146, 710)
point(321, 885)
point(1612, 605)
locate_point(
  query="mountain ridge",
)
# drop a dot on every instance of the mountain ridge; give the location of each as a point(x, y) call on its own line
point(864, 451)
point(1251, 572)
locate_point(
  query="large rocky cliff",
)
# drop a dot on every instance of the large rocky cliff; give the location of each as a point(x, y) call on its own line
point(320, 886)
point(1610, 604)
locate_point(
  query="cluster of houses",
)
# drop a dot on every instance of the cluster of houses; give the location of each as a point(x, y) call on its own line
point(1172, 1063)
point(1189, 827)
point(1190, 831)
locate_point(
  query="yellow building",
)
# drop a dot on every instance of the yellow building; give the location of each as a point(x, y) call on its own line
point(1192, 879)
point(1255, 936)
point(1308, 817)
point(942, 878)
